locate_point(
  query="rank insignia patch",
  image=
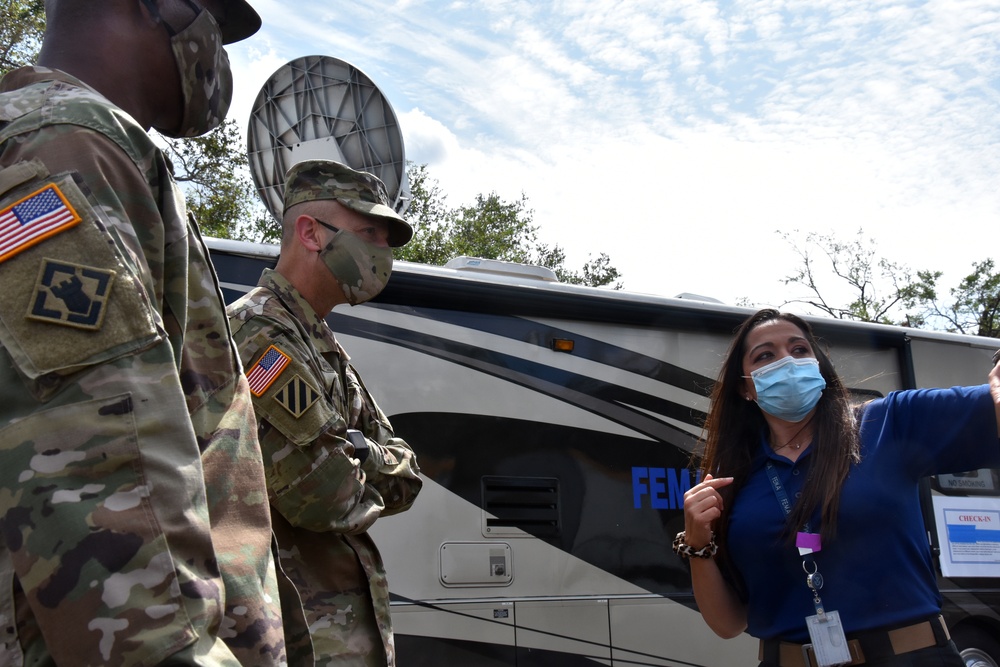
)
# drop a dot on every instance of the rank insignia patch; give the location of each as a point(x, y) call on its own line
point(71, 295)
point(266, 370)
point(297, 396)
point(31, 220)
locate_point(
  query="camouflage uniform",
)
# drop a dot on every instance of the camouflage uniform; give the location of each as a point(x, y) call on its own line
point(322, 501)
point(133, 513)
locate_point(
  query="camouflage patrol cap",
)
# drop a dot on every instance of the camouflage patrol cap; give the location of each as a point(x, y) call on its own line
point(359, 191)
point(241, 21)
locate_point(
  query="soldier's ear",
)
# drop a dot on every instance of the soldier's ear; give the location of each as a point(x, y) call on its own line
point(308, 232)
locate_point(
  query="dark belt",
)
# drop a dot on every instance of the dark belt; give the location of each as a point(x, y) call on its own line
point(864, 646)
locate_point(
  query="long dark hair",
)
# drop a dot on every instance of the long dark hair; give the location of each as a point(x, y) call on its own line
point(734, 426)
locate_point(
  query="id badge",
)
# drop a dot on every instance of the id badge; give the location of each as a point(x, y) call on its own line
point(828, 640)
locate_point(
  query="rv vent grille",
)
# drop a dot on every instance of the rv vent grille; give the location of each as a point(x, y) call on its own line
point(530, 504)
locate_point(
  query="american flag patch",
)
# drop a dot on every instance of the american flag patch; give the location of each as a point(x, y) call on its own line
point(266, 371)
point(31, 220)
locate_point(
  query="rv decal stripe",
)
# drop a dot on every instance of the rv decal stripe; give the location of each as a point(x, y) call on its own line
point(610, 401)
point(520, 329)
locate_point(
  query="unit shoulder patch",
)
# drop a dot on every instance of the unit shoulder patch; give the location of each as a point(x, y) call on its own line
point(267, 369)
point(71, 294)
point(297, 396)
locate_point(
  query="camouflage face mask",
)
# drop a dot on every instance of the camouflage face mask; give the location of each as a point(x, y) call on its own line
point(206, 78)
point(362, 269)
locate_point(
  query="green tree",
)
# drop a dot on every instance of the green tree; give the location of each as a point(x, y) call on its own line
point(492, 228)
point(22, 24)
point(213, 172)
point(878, 290)
point(489, 228)
point(596, 271)
point(430, 217)
point(974, 307)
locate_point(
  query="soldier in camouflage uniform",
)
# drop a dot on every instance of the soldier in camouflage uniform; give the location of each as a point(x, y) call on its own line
point(134, 527)
point(333, 464)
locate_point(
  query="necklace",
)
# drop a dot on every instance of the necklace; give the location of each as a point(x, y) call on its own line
point(796, 446)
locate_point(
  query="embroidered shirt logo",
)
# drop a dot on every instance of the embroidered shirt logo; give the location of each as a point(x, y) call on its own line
point(71, 295)
point(297, 396)
point(266, 370)
point(31, 220)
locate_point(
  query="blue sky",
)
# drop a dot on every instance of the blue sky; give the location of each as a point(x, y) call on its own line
point(679, 136)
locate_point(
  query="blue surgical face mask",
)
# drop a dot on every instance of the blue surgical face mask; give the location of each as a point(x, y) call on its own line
point(789, 388)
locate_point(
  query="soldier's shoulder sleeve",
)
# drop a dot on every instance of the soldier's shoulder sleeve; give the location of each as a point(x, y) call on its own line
point(289, 390)
point(64, 108)
point(71, 296)
point(119, 183)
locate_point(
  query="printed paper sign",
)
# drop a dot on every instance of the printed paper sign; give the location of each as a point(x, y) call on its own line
point(969, 534)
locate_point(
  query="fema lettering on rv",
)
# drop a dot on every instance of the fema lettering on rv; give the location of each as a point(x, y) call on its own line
point(660, 488)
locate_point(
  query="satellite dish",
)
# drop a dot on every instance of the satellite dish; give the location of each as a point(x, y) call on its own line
point(319, 107)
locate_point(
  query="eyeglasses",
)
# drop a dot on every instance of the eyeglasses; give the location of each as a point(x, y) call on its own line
point(369, 234)
point(327, 225)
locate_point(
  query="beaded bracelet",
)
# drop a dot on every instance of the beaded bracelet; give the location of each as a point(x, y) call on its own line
point(684, 550)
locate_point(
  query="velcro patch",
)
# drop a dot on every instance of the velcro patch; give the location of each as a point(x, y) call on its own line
point(267, 369)
point(71, 294)
point(32, 219)
point(57, 317)
point(297, 396)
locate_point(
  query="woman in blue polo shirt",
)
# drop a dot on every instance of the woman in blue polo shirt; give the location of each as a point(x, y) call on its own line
point(814, 505)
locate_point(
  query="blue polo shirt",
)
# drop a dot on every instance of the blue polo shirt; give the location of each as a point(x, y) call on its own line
point(878, 571)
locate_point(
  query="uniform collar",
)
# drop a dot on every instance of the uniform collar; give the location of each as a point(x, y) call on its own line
point(313, 324)
point(31, 74)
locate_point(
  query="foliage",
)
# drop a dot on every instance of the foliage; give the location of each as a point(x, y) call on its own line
point(495, 229)
point(213, 172)
point(879, 290)
point(22, 24)
point(975, 302)
point(596, 272)
point(430, 217)
point(489, 228)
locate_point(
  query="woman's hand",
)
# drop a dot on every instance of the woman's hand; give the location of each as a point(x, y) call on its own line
point(717, 601)
point(703, 504)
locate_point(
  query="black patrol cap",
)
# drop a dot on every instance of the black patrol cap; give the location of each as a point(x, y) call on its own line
point(241, 21)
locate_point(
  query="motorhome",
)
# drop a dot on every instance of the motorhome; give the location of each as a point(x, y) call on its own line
point(554, 426)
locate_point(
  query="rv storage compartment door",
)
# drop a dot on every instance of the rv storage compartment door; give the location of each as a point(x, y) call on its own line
point(476, 564)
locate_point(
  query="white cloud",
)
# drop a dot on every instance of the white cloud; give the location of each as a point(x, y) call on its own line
point(426, 139)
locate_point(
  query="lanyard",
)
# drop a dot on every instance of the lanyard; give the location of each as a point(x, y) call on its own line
point(806, 542)
point(780, 493)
